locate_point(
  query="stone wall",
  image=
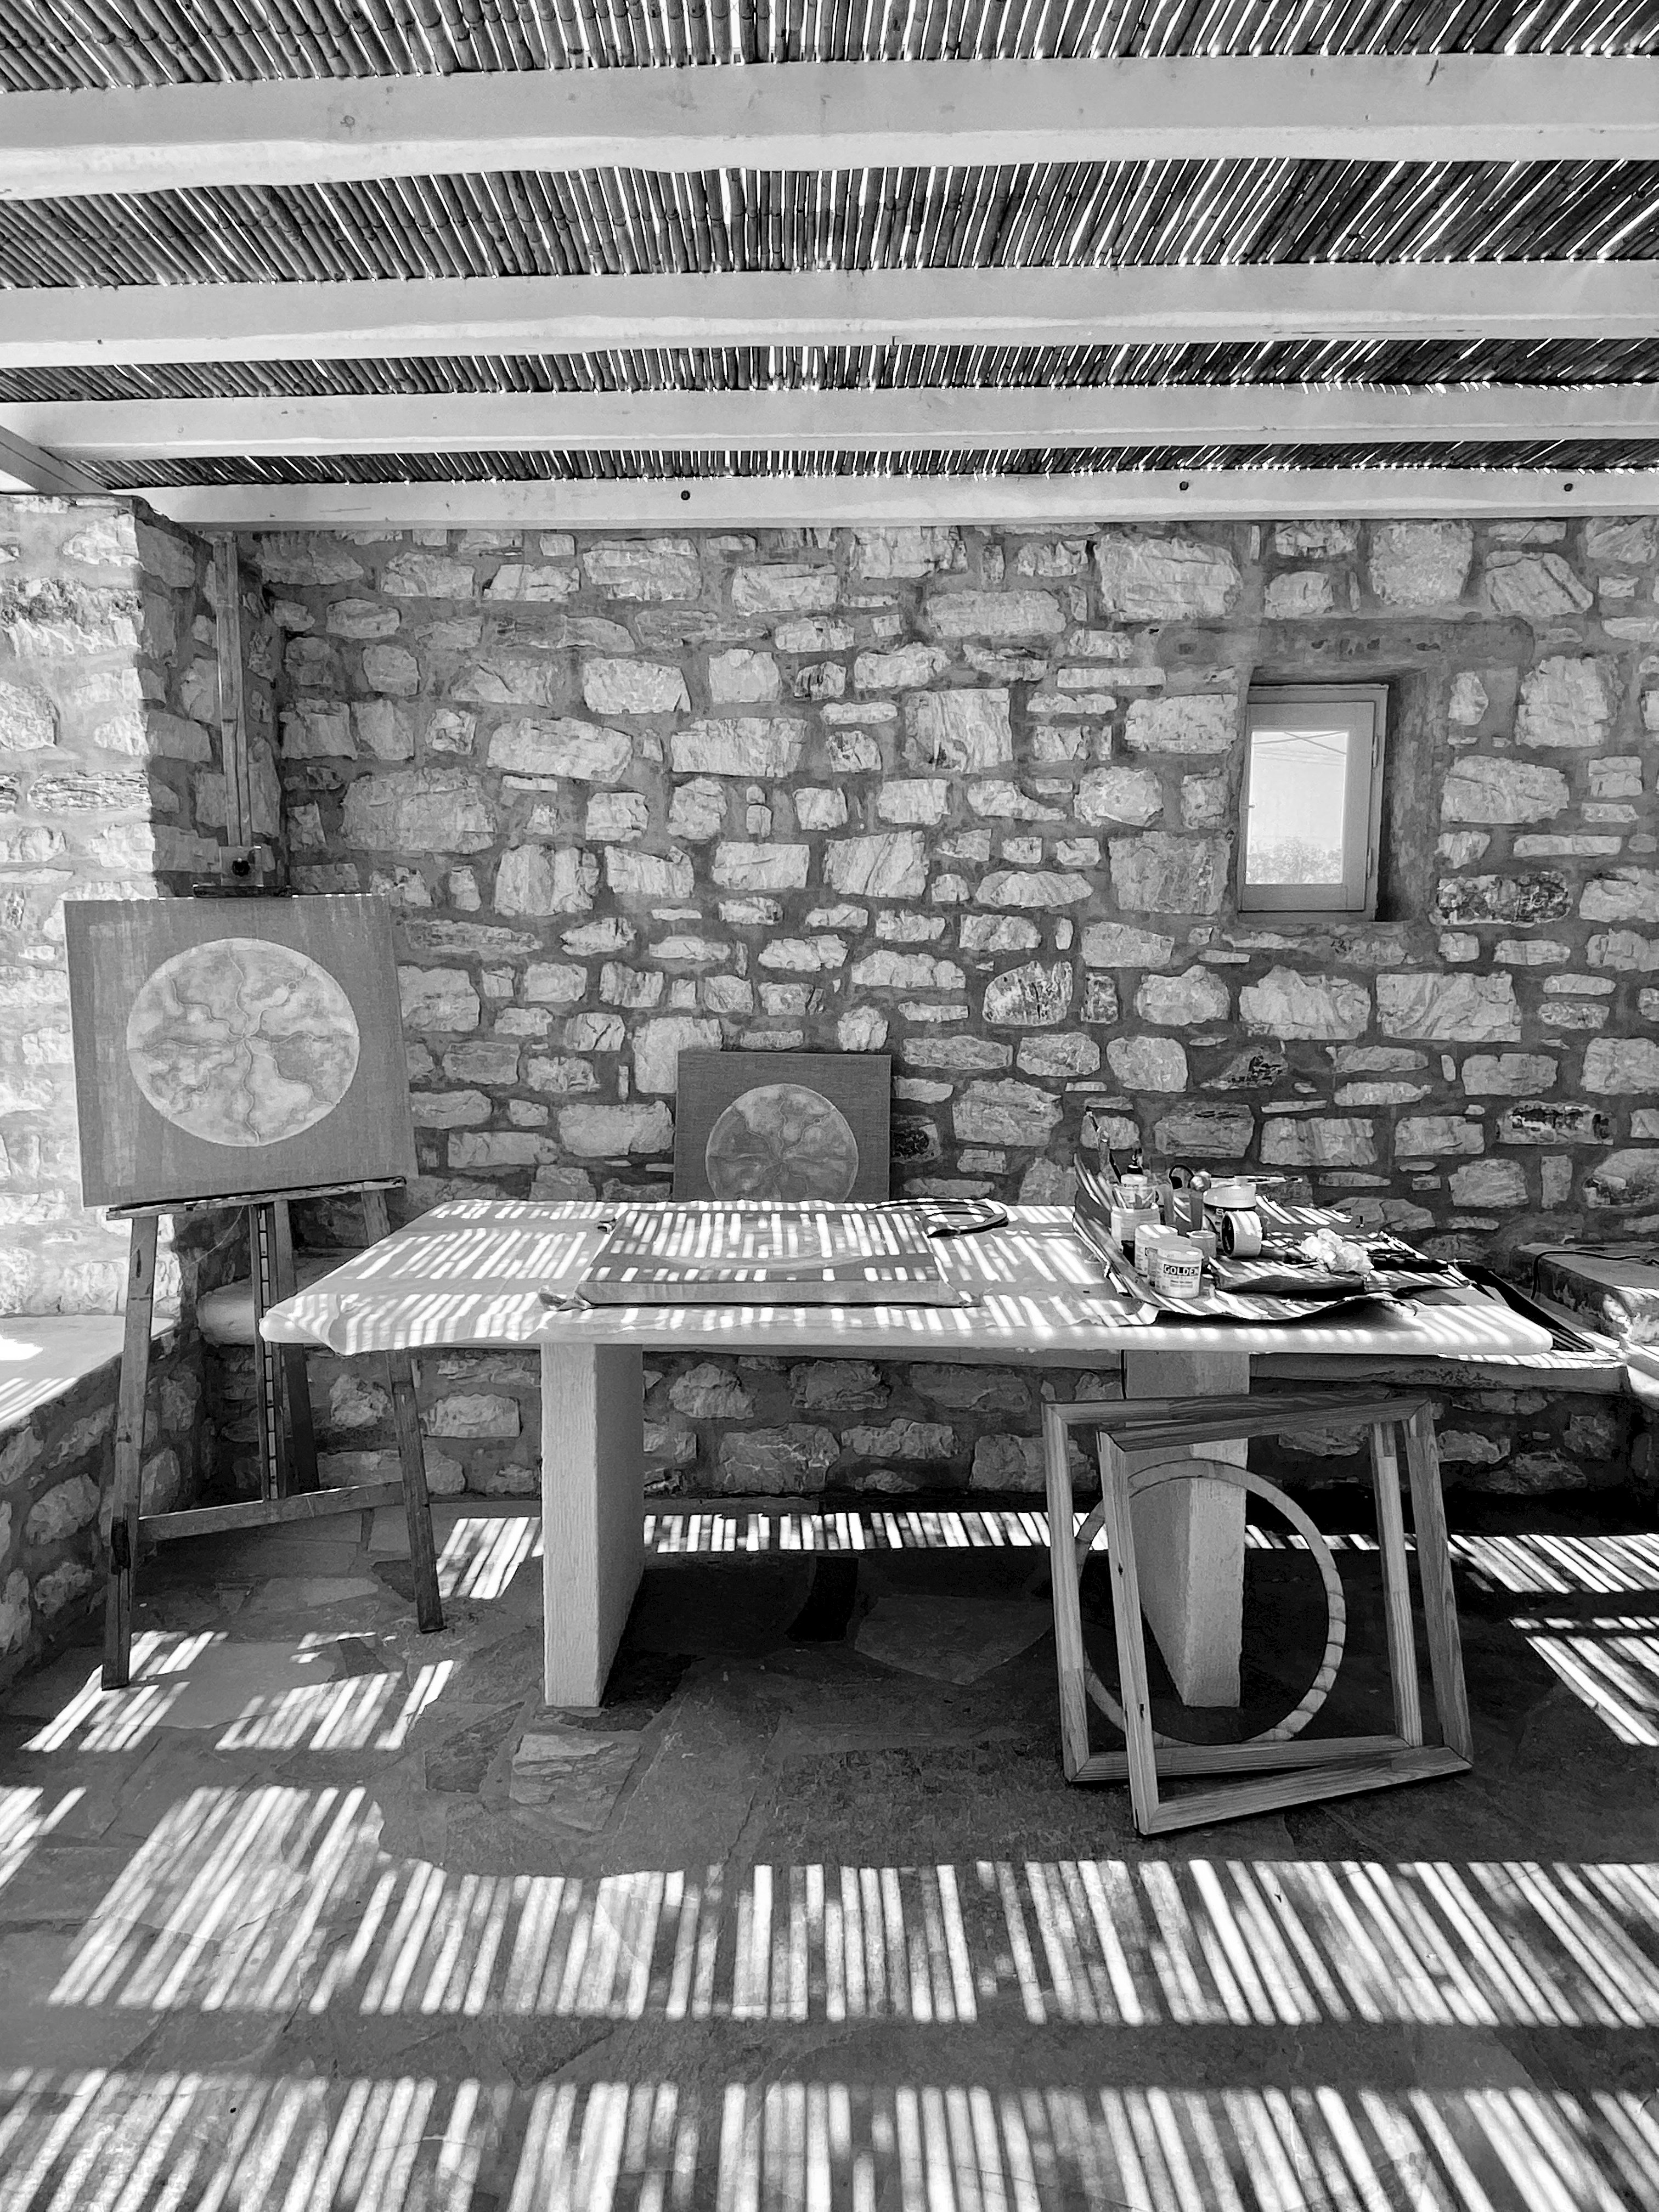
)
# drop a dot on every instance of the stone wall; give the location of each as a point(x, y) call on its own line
point(969, 797)
point(110, 786)
point(763, 1426)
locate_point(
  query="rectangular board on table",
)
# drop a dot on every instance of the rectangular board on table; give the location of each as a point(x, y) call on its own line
point(788, 1127)
point(224, 1047)
point(759, 1255)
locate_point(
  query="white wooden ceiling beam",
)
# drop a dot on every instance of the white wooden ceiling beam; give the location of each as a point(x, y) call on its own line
point(116, 433)
point(26, 467)
point(1012, 502)
point(834, 115)
point(136, 325)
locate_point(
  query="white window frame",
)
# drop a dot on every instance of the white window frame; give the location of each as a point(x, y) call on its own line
point(1364, 708)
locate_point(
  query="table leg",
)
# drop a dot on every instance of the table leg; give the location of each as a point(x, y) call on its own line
point(1189, 1536)
point(295, 1413)
point(592, 1511)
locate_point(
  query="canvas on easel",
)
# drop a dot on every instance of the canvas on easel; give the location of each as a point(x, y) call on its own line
point(230, 1046)
point(240, 1051)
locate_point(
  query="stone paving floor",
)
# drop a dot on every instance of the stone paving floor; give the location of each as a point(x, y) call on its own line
point(324, 1913)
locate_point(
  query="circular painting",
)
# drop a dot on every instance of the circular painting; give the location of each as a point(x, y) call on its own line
point(781, 1141)
point(240, 1041)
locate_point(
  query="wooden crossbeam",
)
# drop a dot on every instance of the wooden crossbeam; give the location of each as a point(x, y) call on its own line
point(1033, 502)
point(26, 467)
point(938, 420)
point(75, 327)
point(269, 1513)
point(834, 115)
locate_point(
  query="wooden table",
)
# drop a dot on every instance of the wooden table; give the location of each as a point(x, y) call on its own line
point(468, 1274)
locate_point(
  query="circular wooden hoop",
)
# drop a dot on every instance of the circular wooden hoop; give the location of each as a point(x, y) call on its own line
point(1336, 1609)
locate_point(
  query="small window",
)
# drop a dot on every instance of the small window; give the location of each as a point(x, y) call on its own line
point(1313, 796)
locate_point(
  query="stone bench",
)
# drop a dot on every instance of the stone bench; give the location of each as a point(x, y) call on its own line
point(225, 1316)
point(1613, 1290)
point(1600, 1301)
point(1599, 1373)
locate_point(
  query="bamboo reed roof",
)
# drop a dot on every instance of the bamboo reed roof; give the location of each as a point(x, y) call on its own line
point(635, 222)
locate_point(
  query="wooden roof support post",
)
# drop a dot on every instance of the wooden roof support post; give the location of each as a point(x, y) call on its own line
point(238, 863)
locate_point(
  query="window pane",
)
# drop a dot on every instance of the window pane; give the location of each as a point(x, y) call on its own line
point(1297, 807)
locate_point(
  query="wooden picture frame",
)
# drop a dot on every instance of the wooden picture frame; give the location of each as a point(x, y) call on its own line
point(1141, 1444)
point(231, 1047)
point(784, 1125)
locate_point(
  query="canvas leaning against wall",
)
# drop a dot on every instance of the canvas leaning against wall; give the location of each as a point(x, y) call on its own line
point(783, 1126)
point(230, 1046)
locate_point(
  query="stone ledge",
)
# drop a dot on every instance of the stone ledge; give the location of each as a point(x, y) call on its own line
point(59, 1384)
point(44, 1356)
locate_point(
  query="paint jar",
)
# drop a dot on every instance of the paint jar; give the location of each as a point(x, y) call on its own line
point(1149, 1242)
point(1177, 1268)
point(1129, 1221)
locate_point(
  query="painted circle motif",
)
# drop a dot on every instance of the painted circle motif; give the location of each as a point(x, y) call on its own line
point(781, 1141)
point(1204, 1469)
point(242, 1042)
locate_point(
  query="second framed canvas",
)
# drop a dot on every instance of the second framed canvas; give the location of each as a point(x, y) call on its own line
point(784, 1125)
point(230, 1046)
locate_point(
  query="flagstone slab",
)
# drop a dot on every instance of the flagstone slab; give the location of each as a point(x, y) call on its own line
point(949, 1639)
point(799, 1738)
point(308, 1593)
point(48, 2037)
point(575, 1774)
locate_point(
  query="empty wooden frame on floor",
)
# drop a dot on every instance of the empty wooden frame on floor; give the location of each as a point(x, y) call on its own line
point(1143, 1447)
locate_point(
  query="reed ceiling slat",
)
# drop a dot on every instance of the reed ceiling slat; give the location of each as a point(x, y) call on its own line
point(63, 45)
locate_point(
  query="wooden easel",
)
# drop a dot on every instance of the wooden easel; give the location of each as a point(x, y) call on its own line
point(288, 1469)
point(288, 1450)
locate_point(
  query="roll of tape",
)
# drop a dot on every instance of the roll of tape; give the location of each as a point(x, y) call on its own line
point(1241, 1236)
